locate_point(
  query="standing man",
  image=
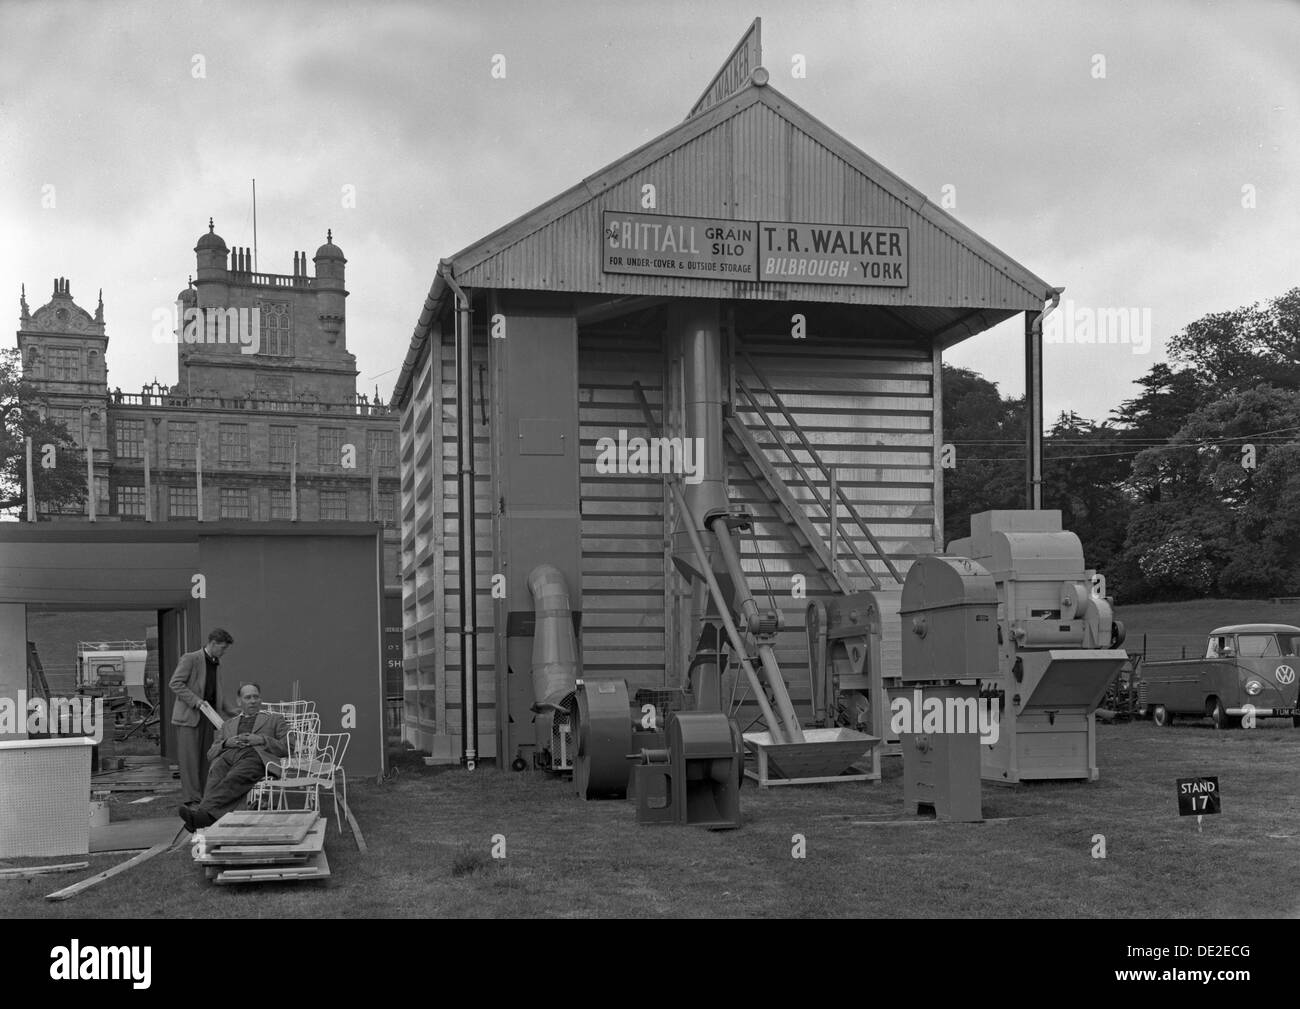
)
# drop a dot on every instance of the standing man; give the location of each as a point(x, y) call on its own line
point(194, 682)
point(243, 747)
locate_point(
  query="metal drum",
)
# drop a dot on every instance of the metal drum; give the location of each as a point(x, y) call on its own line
point(604, 739)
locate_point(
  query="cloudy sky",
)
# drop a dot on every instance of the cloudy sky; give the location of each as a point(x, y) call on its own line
point(1114, 148)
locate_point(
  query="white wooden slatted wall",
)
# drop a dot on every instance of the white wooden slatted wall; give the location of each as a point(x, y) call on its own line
point(623, 613)
point(867, 407)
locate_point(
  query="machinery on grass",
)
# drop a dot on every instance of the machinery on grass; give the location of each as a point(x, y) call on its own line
point(1058, 646)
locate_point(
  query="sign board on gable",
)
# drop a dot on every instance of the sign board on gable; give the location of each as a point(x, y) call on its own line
point(660, 245)
point(833, 254)
point(1198, 796)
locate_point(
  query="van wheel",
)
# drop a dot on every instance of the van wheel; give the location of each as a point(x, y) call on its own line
point(1161, 715)
point(1223, 720)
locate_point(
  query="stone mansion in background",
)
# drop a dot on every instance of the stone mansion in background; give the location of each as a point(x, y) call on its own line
point(266, 429)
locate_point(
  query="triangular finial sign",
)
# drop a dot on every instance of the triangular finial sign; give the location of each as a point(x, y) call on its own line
point(736, 69)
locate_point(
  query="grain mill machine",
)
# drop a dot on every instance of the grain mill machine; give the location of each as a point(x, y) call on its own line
point(949, 629)
point(1058, 646)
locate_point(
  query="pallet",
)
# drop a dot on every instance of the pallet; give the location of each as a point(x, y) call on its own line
point(266, 826)
point(255, 854)
point(316, 867)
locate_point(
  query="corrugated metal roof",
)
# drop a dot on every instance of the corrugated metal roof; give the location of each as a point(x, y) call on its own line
point(755, 156)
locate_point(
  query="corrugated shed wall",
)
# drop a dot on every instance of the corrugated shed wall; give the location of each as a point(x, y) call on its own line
point(623, 607)
point(755, 165)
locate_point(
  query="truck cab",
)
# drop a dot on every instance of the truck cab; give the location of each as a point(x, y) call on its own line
point(1247, 670)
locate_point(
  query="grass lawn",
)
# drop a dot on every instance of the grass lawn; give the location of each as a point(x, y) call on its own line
point(430, 836)
point(1170, 626)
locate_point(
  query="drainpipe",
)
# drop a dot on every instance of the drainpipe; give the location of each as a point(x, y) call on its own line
point(1034, 402)
point(465, 489)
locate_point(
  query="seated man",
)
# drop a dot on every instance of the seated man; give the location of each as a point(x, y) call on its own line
point(243, 747)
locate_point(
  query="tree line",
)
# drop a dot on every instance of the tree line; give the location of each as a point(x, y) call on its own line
point(1190, 488)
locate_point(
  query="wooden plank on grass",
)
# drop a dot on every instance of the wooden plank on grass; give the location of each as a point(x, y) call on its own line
point(86, 884)
point(356, 830)
point(40, 870)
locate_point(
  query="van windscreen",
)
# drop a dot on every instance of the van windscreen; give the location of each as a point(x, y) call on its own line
point(1257, 645)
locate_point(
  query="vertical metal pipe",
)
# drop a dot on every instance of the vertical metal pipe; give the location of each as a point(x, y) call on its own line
point(936, 461)
point(1033, 412)
point(465, 519)
point(31, 488)
point(697, 328)
point(689, 525)
point(1034, 402)
point(293, 480)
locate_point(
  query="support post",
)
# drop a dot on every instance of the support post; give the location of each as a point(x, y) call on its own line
point(1034, 400)
point(1033, 411)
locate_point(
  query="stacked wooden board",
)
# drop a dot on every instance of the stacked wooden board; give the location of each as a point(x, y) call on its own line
point(263, 846)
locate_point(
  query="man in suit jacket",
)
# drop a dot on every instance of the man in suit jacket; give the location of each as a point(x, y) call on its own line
point(194, 682)
point(239, 755)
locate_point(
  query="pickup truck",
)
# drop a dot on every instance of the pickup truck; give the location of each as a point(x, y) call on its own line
point(1246, 668)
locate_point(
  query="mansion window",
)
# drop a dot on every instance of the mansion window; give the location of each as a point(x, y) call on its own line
point(234, 502)
point(282, 443)
point(182, 440)
point(64, 364)
point(381, 448)
point(329, 446)
point(183, 502)
point(280, 505)
point(69, 417)
point(277, 329)
point(233, 443)
point(130, 439)
point(130, 501)
point(333, 506)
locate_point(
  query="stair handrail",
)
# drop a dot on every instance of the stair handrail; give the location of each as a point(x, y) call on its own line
point(803, 475)
point(816, 457)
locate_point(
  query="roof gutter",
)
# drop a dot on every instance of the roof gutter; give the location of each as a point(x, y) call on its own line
point(433, 304)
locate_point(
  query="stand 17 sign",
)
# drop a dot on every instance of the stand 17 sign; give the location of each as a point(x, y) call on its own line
point(1198, 796)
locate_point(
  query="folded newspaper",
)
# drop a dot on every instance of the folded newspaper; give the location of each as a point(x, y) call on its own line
point(212, 716)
